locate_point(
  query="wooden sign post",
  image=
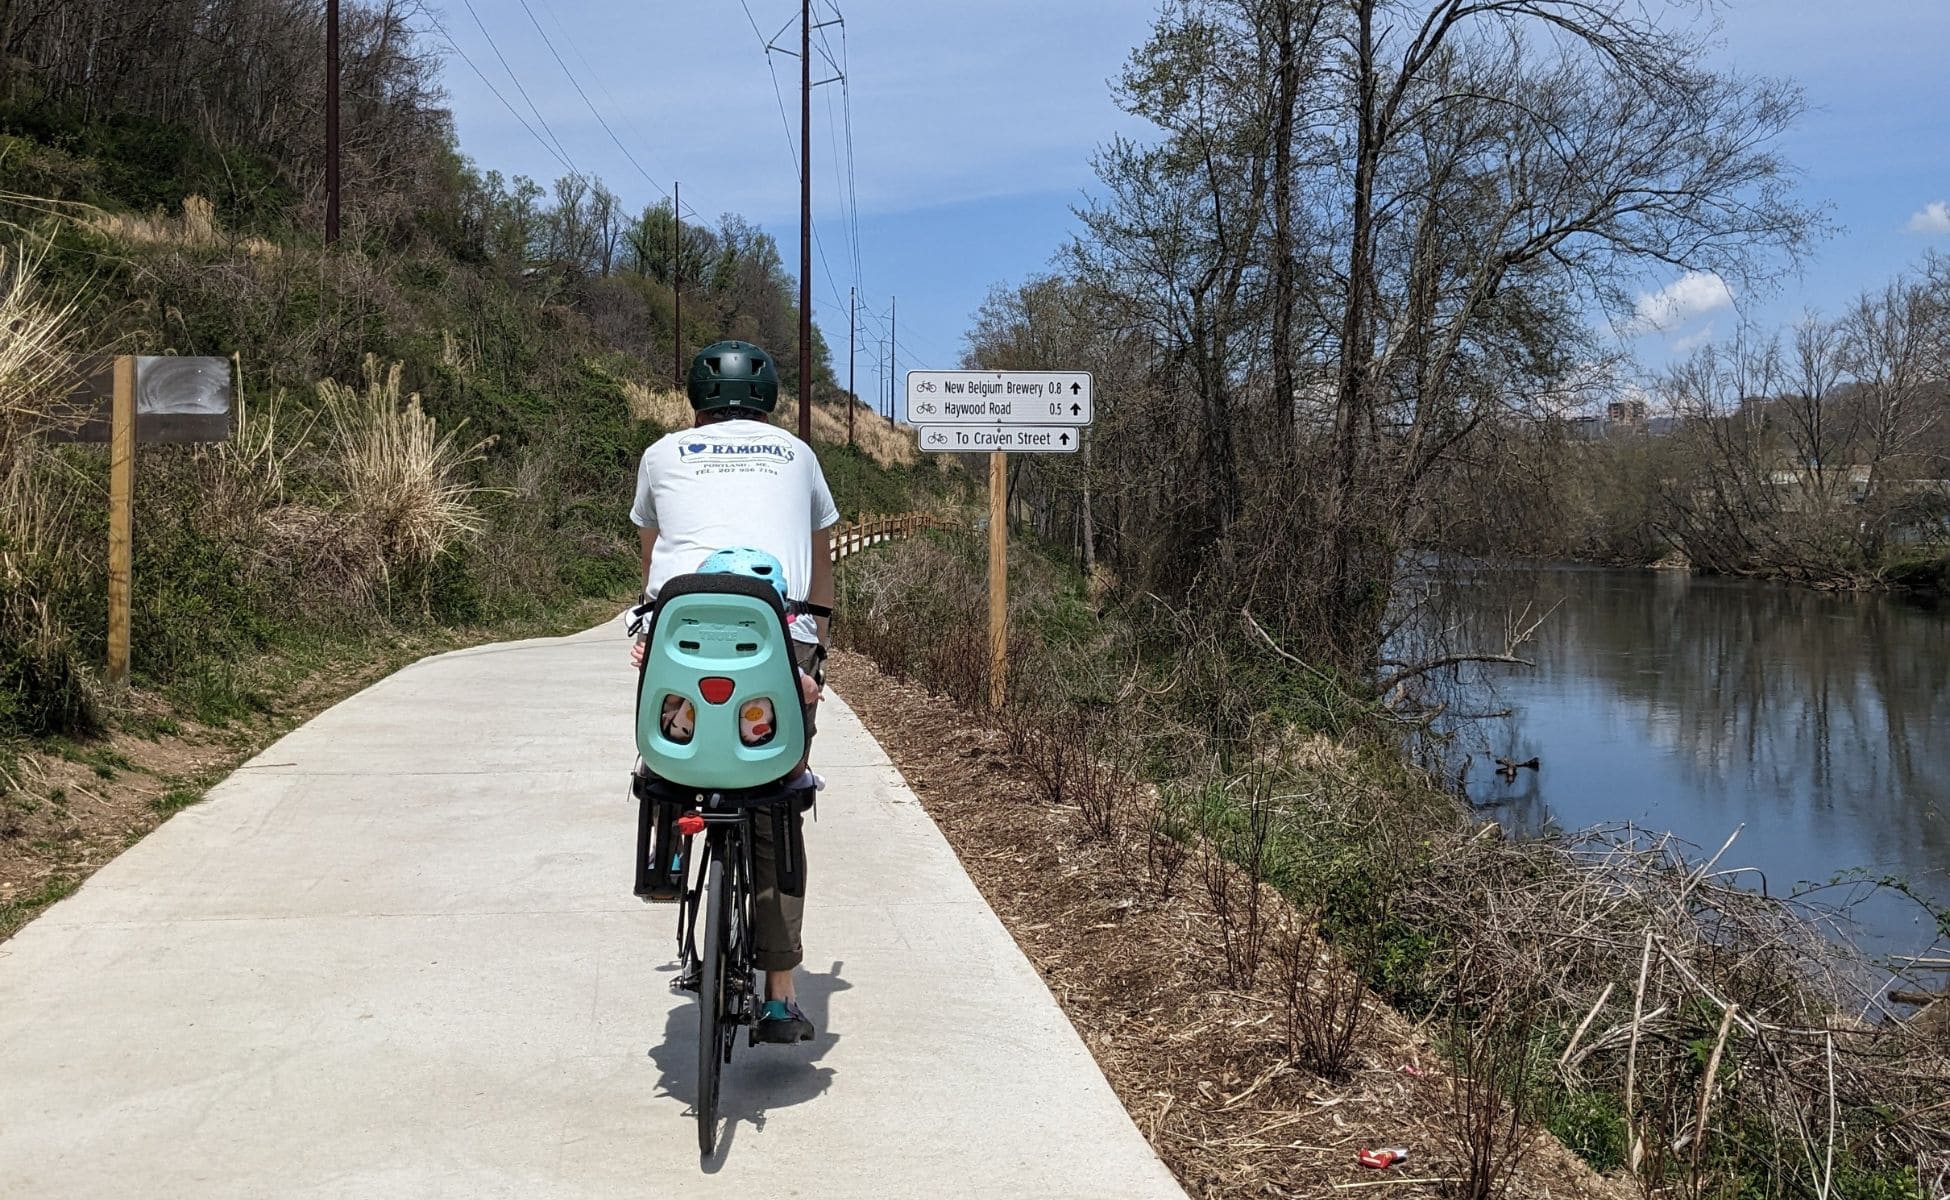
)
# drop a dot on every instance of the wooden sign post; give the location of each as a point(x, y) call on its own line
point(121, 517)
point(1004, 413)
point(998, 578)
point(141, 398)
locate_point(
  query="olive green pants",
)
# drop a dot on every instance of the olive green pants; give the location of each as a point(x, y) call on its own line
point(776, 916)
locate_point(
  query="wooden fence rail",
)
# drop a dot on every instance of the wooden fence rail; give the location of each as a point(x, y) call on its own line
point(855, 536)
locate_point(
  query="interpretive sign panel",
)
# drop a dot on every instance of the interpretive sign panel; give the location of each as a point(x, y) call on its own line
point(177, 399)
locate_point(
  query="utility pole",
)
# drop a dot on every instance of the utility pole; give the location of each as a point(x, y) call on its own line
point(852, 397)
point(331, 121)
point(677, 282)
point(805, 222)
point(893, 355)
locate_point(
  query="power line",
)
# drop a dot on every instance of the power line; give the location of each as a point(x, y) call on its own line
point(852, 189)
point(785, 122)
point(604, 88)
point(905, 346)
point(848, 201)
point(850, 208)
point(563, 155)
point(489, 83)
point(756, 31)
point(574, 83)
point(793, 148)
point(808, 392)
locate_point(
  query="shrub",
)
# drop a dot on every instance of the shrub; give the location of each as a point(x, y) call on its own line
point(44, 686)
point(399, 476)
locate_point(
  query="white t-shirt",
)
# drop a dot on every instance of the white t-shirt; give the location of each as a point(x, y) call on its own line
point(733, 484)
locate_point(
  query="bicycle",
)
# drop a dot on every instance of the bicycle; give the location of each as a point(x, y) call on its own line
point(718, 894)
point(711, 769)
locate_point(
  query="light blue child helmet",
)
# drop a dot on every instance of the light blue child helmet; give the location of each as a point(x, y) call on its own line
point(752, 564)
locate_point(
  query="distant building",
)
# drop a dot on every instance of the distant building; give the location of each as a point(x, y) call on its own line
point(1626, 412)
point(1803, 483)
point(1590, 428)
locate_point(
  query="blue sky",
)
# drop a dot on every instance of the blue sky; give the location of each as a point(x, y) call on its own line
point(974, 125)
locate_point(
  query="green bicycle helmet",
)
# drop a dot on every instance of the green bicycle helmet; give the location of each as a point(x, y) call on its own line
point(733, 375)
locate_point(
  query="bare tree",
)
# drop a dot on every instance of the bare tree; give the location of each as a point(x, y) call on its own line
point(1799, 460)
point(248, 76)
point(1368, 234)
point(1897, 345)
point(1510, 163)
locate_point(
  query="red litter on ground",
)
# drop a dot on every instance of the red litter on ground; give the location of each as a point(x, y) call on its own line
point(1383, 1158)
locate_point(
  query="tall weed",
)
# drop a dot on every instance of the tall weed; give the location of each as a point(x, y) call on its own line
point(401, 479)
point(45, 687)
point(37, 332)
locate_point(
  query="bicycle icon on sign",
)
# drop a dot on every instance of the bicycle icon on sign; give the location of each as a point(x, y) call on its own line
point(926, 385)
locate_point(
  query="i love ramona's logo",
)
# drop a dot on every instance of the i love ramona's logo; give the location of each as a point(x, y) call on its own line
point(729, 451)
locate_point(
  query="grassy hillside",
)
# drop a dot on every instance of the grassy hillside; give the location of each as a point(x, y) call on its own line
point(435, 444)
point(425, 438)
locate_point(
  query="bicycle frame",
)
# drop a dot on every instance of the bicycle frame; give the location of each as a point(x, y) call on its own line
point(728, 818)
point(727, 839)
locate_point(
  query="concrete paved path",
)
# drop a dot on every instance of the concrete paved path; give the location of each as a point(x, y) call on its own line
point(395, 956)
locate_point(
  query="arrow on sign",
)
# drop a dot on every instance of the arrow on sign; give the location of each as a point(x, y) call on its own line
point(1076, 410)
point(1065, 439)
point(1075, 388)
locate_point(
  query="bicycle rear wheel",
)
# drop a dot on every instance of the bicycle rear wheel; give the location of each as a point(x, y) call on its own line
point(711, 1005)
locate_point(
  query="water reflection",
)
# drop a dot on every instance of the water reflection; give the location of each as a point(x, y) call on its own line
point(1697, 705)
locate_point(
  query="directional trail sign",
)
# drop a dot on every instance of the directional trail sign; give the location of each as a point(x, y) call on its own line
point(999, 398)
point(1004, 439)
point(1000, 413)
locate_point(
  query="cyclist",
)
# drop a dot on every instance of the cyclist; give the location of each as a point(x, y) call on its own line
point(735, 480)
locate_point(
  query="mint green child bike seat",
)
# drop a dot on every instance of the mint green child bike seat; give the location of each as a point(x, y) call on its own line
point(718, 704)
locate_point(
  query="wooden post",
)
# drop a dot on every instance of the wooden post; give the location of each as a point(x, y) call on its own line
point(998, 578)
point(121, 517)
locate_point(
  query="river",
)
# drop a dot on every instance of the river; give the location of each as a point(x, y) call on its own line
point(1817, 724)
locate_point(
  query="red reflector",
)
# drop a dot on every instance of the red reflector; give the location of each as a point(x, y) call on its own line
point(690, 824)
point(716, 689)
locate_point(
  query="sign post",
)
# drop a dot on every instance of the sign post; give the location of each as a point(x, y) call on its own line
point(1003, 413)
point(121, 516)
point(998, 578)
point(142, 398)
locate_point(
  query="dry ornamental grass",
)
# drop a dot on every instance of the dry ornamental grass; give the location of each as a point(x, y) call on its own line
point(401, 477)
point(37, 332)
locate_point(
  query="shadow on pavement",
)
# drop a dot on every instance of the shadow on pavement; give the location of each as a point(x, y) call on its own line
point(760, 1078)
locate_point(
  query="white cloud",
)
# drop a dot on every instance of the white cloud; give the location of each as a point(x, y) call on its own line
point(1934, 217)
point(1692, 295)
point(1693, 341)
